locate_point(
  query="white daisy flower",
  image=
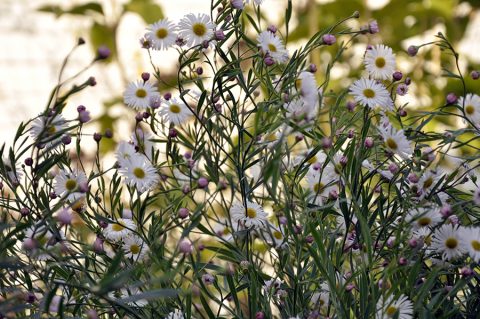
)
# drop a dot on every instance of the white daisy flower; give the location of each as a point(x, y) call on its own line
point(428, 181)
point(139, 94)
point(252, 216)
point(119, 229)
point(177, 314)
point(175, 111)
point(161, 34)
point(471, 237)
point(401, 308)
point(276, 236)
point(471, 106)
point(395, 141)
point(257, 2)
point(12, 170)
point(448, 241)
point(127, 294)
point(271, 44)
point(68, 183)
point(47, 131)
point(139, 172)
point(125, 153)
point(424, 217)
point(370, 93)
point(320, 183)
point(306, 85)
point(321, 298)
point(135, 247)
point(380, 62)
point(195, 29)
point(143, 144)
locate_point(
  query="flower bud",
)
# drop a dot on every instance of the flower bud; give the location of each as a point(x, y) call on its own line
point(329, 39)
point(98, 246)
point(103, 52)
point(369, 142)
point(145, 76)
point(475, 75)
point(185, 246)
point(412, 50)
point(451, 98)
point(183, 213)
point(397, 76)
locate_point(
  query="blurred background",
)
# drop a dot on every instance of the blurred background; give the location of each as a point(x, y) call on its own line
point(36, 35)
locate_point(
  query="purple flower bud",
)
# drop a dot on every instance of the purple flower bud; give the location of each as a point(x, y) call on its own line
point(312, 68)
point(92, 314)
point(52, 195)
point(180, 41)
point(402, 112)
point(260, 315)
point(202, 182)
point(81, 108)
point(272, 29)
point(412, 50)
point(413, 178)
point(453, 219)
point(29, 244)
point(369, 142)
point(172, 133)
point(219, 35)
point(139, 117)
point(84, 116)
point(92, 81)
point(103, 224)
point(97, 137)
point(29, 161)
point(145, 115)
point(64, 216)
point(451, 98)
point(81, 41)
point(186, 189)
point(208, 279)
point(237, 4)
point(24, 211)
point(393, 168)
point(205, 44)
point(282, 220)
point(183, 213)
point(108, 133)
point(402, 261)
point(98, 246)
point(185, 246)
point(269, 61)
point(103, 52)
point(30, 297)
point(329, 39)
point(446, 210)
point(155, 102)
point(351, 106)
point(83, 187)
point(333, 194)
point(402, 89)
point(397, 75)
point(309, 239)
point(351, 133)
point(145, 76)
point(327, 142)
point(466, 271)
point(167, 96)
point(475, 75)
point(349, 287)
point(299, 137)
point(413, 243)
point(373, 27)
point(199, 70)
point(298, 229)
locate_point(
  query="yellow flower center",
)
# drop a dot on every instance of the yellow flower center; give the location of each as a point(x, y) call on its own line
point(174, 108)
point(469, 109)
point(139, 172)
point(369, 93)
point(51, 130)
point(141, 93)
point(161, 33)
point(391, 311)
point(118, 227)
point(391, 144)
point(424, 221)
point(199, 29)
point(318, 187)
point(277, 235)
point(272, 48)
point(428, 240)
point(251, 213)
point(134, 249)
point(428, 182)
point(475, 245)
point(380, 62)
point(70, 184)
point(451, 242)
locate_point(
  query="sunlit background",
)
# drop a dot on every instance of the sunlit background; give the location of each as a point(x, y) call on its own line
point(36, 35)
